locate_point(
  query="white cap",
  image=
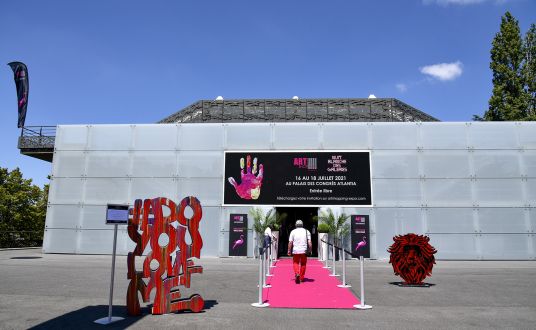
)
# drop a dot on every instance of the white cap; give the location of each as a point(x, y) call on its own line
point(299, 223)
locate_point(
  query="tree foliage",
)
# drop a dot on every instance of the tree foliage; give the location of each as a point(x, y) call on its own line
point(23, 208)
point(529, 70)
point(511, 63)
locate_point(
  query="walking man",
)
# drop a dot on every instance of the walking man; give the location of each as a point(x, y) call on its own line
point(299, 242)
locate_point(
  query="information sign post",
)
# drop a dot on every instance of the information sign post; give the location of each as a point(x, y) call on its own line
point(115, 215)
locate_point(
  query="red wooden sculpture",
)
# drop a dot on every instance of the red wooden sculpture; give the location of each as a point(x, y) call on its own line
point(412, 258)
point(174, 259)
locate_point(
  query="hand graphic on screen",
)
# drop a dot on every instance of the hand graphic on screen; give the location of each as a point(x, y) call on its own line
point(250, 182)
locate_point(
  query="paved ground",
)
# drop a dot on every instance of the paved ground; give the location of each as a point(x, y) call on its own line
point(70, 291)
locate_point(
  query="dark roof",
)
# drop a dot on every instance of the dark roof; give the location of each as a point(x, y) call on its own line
point(302, 110)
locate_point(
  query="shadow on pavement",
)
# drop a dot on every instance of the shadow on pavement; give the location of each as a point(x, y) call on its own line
point(404, 285)
point(84, 318)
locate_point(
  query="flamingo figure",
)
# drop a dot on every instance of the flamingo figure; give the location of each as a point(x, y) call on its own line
point(361, 244)
point(238, 242)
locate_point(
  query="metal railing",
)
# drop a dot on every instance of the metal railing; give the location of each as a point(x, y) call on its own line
point(37, 137)
point(17, 239)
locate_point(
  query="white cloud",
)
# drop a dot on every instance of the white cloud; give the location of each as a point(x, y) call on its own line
point(460, 2)
point(443, 71)
point(401, 87)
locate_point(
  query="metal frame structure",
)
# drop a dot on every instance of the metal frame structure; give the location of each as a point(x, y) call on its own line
point(301, 110)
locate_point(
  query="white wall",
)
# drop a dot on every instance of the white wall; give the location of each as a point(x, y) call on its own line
point(470, 186)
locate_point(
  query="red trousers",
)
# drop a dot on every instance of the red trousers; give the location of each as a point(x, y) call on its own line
point(298, 259)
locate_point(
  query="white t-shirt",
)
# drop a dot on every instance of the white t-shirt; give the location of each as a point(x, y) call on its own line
point(268, 232)
point(299, 238)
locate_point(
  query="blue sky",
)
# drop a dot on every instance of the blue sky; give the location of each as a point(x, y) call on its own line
point(94, 62)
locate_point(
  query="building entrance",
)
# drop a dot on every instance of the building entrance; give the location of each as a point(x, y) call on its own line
point(308, 216)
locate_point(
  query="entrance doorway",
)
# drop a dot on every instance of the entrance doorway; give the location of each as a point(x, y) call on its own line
point(305, 214)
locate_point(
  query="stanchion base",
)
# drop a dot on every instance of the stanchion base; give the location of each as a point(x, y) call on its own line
point(106, 320)
point(269, 275)
point(260, 305)
point(344, 286)
point(334, 275)
point(326, 267)
point(363, 306)
point(266, 286)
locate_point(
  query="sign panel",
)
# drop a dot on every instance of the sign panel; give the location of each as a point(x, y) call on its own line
point(360, 235)
point(305, 178)
point(116, 214)
point(238, 235)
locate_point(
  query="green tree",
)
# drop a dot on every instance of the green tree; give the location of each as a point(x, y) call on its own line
point(23, 208)
point(509, 99)
point(529, 70)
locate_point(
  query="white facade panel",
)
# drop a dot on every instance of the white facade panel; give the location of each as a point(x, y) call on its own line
point(110, 137)
point(142, 188)
point(493, 135)
point(444, 135)
point(60, 241)
point(447, 192)
point(344, 136)
point(72, 137)
point(393, 136)
point(254, 136)
point(499, 192)
point(103, 164)
point(102, 191)
point(496, 163)
point(93, 217)
point(450, 220)
point(63, 216)
point(506, 246)
point(502, 220)
point(69, 164)
point(296, 136)
point(201, 137)
point(66, 190)
point(207, 190)
point(395, 164)
point(153, 137)
point(200, 164)
point(445, 164)
point(528, 163)
point(149, 164)
point(455, 246)
point(527, 138)
point(396, 192)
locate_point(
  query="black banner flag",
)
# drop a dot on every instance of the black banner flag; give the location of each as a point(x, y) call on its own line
point(21, 82)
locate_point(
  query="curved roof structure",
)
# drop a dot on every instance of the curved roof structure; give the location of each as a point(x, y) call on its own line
point(296, 110)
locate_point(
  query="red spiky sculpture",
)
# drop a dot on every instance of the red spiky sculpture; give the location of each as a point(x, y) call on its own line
point(412, 258)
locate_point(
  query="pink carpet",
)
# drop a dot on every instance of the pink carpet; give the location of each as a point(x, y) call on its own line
point(319, 290)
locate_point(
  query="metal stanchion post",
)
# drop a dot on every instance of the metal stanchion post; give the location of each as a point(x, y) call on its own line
point(265, 258)
point(260, 303)
point(268, 261)
point(343, 285)
point(273, 254)
point(362, 279)
point(110, 318)
point(333, 273)
point(326, 256)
